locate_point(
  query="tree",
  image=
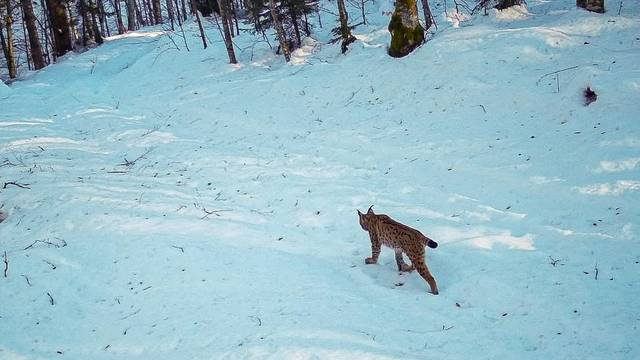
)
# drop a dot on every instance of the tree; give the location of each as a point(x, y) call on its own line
point(591, 5)
point(345, 30)
point(60, 27)
point(428, 16)
point(406, 31)
point(194, 8)
point(223, 5)
point(7, 43)
point(34, 42)
point(284, 44)
point(131, 15)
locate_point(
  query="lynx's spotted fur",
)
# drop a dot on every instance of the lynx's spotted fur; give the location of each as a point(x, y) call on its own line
point(403, 239)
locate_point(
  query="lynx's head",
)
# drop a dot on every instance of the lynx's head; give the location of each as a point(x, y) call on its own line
point(366, 220)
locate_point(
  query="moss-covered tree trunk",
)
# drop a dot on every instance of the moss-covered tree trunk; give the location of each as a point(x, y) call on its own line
point(591, 5)
point(406, 31)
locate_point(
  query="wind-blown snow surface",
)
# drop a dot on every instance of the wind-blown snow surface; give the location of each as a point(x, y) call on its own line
point(177, 207)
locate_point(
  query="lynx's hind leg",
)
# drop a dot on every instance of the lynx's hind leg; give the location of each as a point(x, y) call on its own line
point(418, 261)
point(402, 266)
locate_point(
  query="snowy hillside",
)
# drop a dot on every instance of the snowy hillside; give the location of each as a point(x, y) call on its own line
point(163, 204)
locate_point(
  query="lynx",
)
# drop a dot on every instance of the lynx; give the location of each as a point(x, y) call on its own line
point(401, 238)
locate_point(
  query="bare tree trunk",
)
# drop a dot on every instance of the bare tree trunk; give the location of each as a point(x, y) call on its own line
point(294, 20)
point(34, 41)
point(45, 30)
point(184, 11)
point(197, 15)
point(157, 11)
point(97, 35)
point(9, 50)
point(428, 16)
point(223, 5)
point(406, 31)
point(178, 15)
point(104, 25)
point(362, 9)
point(235, 16)
point(279, 31)
point(591, 5)
point(118, 10)
point(170, 13)
point(131, 15)
point(59, 27)
point(345, 32)
point(139, 13)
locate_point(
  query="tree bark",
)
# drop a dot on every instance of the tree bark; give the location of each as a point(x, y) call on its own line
point(591, 5)
point(428, 16)
point(34, 42)
point(10, 52)
point(59, 27)
point(118, 10)
point(157, 11)
point(282, 39)
point(406, 31)
point(197, 15)
point(345, 32)
point(223, 5)
point(170, 13)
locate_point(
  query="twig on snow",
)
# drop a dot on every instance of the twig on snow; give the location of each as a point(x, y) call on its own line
point(596, 271)
point(6, 264)
point(22, 186)
point(48, 243)
point(178, 247)
point(27, 279)
point(207, 212)
point(128, 163)
point(51, 299)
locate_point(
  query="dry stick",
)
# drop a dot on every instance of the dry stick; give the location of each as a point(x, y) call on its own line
point(63, 244)
point(207, 212)
point(128, 163)
point(596, 269)
point(27, 279)
point(50, 299)
point(6, 264)
point(556, 72)
point(23, 186)
point(620, 8)
point(178, 247)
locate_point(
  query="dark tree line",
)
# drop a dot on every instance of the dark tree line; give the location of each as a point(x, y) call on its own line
point(37, 32)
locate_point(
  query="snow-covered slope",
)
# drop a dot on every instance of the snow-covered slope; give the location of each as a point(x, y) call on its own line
point(173, 206)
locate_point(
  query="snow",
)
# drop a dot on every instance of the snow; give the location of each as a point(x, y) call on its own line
point(177, 207)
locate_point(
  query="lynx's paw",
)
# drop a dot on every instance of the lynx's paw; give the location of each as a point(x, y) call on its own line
point(406, 268)
point(369, 261)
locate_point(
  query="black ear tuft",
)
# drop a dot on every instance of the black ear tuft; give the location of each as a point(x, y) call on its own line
point(370, 211)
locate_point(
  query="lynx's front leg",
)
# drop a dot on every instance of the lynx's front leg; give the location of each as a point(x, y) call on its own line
point(376, 246)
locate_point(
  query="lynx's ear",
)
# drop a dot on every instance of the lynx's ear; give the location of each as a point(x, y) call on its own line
point(359, 213)
point(370, 211)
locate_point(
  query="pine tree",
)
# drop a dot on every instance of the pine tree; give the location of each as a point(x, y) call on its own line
point(344, 29)
point(223, 5)
point(7, 42)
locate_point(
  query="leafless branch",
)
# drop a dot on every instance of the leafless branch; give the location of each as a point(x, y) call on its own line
point(178, 247)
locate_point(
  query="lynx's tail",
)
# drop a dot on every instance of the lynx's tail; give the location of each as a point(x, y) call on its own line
point(432, 244)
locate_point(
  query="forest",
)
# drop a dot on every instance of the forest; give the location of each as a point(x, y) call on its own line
point(319, 179)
